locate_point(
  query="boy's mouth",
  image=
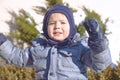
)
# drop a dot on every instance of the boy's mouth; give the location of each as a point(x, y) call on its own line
point(57, 33)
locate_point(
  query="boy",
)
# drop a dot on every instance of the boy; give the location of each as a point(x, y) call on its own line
point(59, 54)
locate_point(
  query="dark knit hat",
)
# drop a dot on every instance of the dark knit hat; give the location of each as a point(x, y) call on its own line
point(59, 8)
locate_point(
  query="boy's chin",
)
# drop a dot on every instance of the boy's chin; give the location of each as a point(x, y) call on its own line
point(59, 40)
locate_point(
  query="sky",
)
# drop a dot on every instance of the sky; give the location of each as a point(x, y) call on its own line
point(106, 8)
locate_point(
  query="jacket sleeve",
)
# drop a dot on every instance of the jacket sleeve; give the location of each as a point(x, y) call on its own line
point(97, 60)
point(14, 55)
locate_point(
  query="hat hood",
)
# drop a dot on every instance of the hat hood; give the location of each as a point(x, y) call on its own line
point(59, 8)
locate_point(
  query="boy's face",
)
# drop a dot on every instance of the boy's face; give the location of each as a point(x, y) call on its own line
point(58, 27)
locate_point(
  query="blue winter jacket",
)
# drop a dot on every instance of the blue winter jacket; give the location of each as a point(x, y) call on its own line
point(69, 62)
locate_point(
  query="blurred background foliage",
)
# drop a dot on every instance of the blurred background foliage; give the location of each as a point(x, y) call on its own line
point(26, 25)
point(26, 31)
point(11, 72)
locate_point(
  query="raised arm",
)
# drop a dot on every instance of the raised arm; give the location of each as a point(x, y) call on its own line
point(100, 57)
point(12, 54)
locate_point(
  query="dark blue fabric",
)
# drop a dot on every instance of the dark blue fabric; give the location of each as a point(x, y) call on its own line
point(93, 28)
point(96, 37)
point(59, 8)
point(59, 44)
point(2, 38)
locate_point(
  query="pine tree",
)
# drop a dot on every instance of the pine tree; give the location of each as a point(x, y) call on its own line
point(95, 15)
point(25, 26)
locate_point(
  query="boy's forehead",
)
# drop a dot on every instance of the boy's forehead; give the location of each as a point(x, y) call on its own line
point(57, 15)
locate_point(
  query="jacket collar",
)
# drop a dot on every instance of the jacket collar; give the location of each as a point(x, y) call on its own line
point(75, 40)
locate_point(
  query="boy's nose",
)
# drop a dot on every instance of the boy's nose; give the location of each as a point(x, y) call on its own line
point(58, 25)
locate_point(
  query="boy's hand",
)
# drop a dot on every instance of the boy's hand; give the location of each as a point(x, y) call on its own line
point(93, 28)
point(2, 38)
point(96, 41)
